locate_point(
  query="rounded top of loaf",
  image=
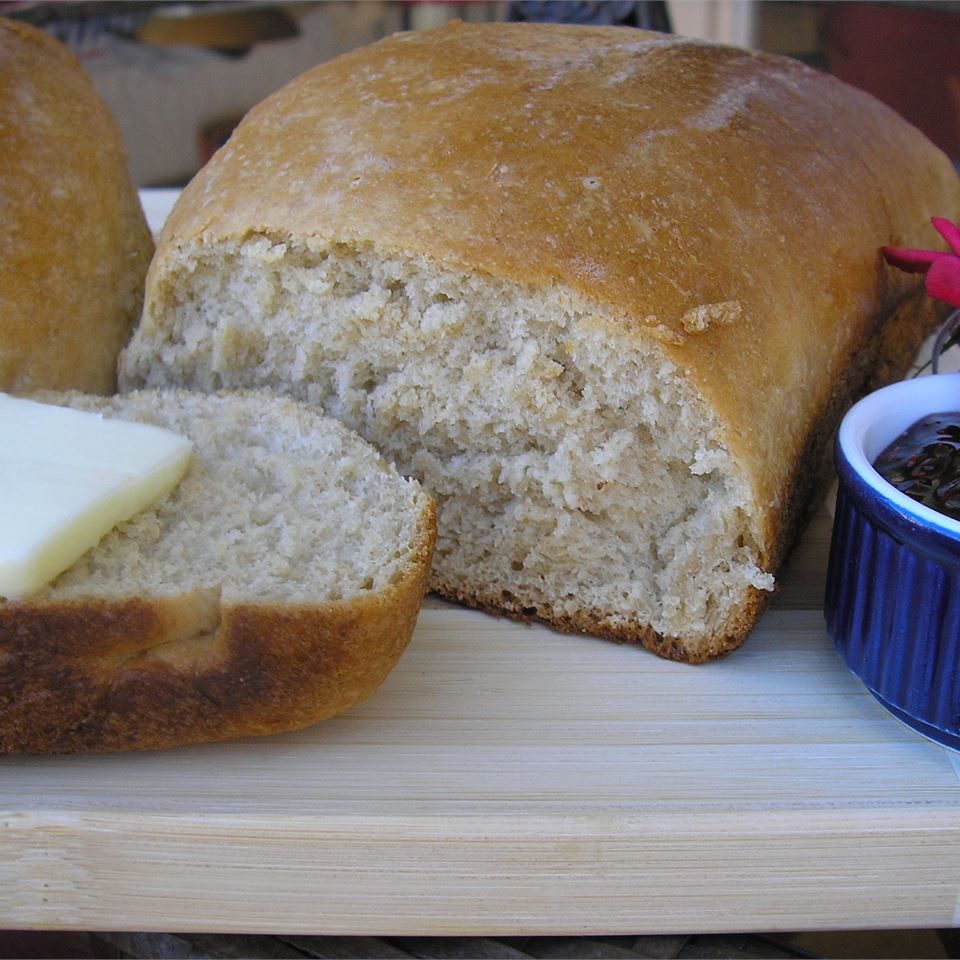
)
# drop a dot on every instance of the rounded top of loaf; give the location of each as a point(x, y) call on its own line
point(75, 245)
point(615, 161)
point(728, 204)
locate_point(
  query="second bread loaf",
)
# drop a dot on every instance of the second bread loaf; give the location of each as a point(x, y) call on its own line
point(74, 244)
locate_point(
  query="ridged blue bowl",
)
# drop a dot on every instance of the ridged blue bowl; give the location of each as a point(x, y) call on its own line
point(893, 582)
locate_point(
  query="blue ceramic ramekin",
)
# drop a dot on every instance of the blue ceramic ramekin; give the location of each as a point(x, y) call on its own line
point(893, 583)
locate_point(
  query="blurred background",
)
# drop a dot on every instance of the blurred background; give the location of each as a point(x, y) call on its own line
point(178, 76)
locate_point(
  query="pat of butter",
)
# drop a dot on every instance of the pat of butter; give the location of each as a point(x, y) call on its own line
point(68, 477)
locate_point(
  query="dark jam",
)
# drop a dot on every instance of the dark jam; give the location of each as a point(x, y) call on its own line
point(924, 463)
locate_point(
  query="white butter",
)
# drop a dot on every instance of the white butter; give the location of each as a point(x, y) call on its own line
point(67, 477)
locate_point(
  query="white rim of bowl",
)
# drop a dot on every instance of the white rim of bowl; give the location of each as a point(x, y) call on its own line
point(889, 403)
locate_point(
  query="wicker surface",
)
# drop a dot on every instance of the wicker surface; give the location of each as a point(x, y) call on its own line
point(841, 945)
point(196, 946)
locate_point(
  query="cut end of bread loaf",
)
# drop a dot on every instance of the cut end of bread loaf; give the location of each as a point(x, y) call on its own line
point(578, 479)
point(276, 586)
point(611, 331)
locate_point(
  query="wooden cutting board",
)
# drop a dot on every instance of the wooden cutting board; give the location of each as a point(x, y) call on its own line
point(510, 780)
point(507, 779)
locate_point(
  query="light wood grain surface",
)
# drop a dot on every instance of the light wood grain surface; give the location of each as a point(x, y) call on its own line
point(510, 780)
point(507, 779)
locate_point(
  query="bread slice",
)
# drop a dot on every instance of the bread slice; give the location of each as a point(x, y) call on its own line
point(74, 243)
point(276, 586)
point(604, 292)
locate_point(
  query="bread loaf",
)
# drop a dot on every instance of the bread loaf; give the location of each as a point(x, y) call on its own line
point(604, 292)
point(276, 586)
point(74, 247)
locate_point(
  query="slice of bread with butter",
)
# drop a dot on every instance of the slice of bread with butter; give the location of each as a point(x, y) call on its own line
point(275, 585)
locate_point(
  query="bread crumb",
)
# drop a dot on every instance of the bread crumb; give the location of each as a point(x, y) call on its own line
point(699, 318)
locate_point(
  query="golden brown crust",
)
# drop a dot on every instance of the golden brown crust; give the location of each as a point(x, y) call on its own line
point(730, 205)
point(670, 648)
point(75, 246)
point(139, 674)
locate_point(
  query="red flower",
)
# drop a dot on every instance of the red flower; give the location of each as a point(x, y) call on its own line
point(941, 267)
